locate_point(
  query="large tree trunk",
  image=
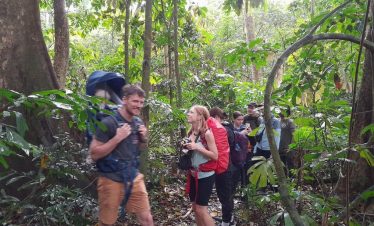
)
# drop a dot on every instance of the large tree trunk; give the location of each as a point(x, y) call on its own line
point(25, 67)
point(61, 59)
point(126, 39)
point(146, 72)
point(24, 59)
point(361, 175)
point(176, 56)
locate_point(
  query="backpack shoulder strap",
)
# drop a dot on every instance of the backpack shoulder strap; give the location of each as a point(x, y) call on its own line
point(116, 118)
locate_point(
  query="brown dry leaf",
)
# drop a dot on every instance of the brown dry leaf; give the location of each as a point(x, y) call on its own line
point(214, 213)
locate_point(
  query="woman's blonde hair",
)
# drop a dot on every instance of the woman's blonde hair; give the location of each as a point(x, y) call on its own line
point(202, 111)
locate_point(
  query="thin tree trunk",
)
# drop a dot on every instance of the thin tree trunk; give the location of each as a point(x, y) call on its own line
point(61, 59)
point(176, 57)
point(250, 34)
point(312, 8)
point(169, 58)
point(126, 39)
point(146, 72)
point(171, 74)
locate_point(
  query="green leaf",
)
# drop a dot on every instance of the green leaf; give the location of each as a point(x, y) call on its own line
point(366, 154)
point(15, 179)
point(254, 42)
point(353, 222)
point(367, 195)
point(62, 105)
point(3, 162)
point(259, 173)
point(9, 94)
point(311, 156)
point(50, 93)
point(287, 220)
point(27, 185)
point(21, 124)
point(7, 175)
point(16, 139)
point(369, 128)
point(275, 218)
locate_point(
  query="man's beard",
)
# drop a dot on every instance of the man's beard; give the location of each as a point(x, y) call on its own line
point(130, 112)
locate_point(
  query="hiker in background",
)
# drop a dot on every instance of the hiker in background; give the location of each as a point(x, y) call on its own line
point(287, 129)
point(253, 117)
point(200, 184)
point(238, 120)
point(223, 180)
point(262, 147)
point(240, 172)
point(116, 152)
point(253, 120)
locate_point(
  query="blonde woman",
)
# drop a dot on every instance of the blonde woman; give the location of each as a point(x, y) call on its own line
point(204, 149)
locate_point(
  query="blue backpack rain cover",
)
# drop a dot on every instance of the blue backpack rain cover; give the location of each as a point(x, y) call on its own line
point(111, 83)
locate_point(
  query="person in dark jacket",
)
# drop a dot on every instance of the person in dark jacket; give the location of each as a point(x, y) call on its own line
point(253, 117)
point(287, 129)
point(224, 180)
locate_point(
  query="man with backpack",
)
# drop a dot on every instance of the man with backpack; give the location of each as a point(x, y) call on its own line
point(224, 181)
point(116, 151)
point(262, 147)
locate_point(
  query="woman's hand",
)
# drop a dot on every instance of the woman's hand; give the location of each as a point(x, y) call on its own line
point(193, 146)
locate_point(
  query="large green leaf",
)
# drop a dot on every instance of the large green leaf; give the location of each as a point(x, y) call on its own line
point(10, 95)
point(259, 173)
point(18, 140)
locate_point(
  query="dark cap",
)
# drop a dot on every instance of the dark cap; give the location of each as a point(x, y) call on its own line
point(252, 104)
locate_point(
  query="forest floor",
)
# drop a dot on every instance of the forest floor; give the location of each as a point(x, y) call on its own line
point(171, 207)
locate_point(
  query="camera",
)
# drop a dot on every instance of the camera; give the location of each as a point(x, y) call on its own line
point(183, 143)
point(135, 129)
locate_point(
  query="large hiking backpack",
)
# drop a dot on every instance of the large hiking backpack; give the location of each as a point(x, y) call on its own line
point(111, 84)
point(220, 137)
point(238, 145)
point(239, 154)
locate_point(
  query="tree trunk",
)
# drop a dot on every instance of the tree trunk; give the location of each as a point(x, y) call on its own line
point(146, 72)
point(176, 56)
point(169, 58)
point(312, 8)
point(126, 39)
point(361, 174)
point(25, 63)
point(170, 74)
point(61, 59)
point(250, 35)
point(25, 67)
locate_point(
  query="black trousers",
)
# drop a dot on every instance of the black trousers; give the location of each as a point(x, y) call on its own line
point(265, 153)
point(225, 195)
point(236, 177)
